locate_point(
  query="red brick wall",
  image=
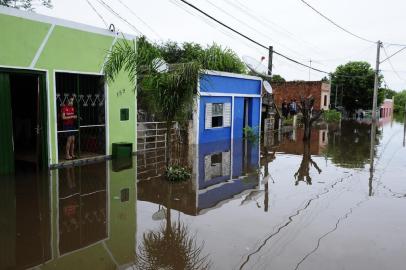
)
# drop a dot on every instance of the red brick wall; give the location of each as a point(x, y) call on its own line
point(291, 90)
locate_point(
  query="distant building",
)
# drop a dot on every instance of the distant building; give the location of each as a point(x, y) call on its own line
point(386, 109)
point(296, 89)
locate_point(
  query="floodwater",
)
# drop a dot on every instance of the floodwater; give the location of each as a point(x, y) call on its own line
point(281, 205)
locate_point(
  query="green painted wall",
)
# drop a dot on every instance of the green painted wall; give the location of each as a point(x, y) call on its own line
point(20, 40)
point(72, 50)
point(122, 95)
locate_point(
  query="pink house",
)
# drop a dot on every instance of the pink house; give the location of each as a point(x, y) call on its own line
point(386, 109)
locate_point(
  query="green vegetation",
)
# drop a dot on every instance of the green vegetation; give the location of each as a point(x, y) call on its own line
point(331, 116)
point(177, 174)
point(251, 135)
point(169, 94)
point(288, 121)
point(25, 4)
point(212, 57)
point(400, 101)
point(355, 81)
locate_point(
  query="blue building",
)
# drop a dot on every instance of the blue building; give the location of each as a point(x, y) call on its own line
point(227, 104)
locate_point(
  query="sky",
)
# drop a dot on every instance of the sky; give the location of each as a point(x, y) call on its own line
point(290, 26)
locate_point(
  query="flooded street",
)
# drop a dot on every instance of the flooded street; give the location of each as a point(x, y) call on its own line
point(279, 205)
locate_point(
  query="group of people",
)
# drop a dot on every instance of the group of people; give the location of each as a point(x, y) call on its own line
point(289, 108)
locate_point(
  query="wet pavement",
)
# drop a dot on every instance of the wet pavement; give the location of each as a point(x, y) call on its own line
point(279, 205)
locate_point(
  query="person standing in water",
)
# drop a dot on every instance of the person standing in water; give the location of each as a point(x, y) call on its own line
point(69, 120)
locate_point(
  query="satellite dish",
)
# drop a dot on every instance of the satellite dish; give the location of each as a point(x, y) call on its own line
point(159, 215)
point(160, 65)
point(268, 87)
point(256, 66)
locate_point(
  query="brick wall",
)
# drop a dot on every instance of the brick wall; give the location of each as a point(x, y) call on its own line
point(290, 90)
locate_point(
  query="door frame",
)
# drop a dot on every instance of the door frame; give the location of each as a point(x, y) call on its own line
point(44, 161)
point(106, 107)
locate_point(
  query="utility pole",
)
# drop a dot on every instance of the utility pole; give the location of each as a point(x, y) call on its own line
point(375, 98)
point(270, 59)
point(310, 67)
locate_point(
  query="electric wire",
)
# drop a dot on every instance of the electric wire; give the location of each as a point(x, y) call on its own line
point(388, 57)
point(140, 19)
point(250, 39)
point(214, 25)
point(391, 65)
point(97, 13)
point(262, 20)
point(347, 31)
point(111, 10)
point(253, 28)
point(262, 45)
point(336, 24)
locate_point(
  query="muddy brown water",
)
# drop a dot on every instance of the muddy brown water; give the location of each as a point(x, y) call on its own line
point(279, 205)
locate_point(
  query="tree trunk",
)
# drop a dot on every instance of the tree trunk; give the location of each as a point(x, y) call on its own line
point(307, 130)
point(306, 107)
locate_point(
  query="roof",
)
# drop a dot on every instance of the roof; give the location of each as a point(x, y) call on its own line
point(29, 15)
point(231, 75)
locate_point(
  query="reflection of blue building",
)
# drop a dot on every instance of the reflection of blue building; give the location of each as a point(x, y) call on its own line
point(225, 169)
point(227, 103)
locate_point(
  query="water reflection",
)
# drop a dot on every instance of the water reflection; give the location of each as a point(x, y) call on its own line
point(72, 218)
point(249, 205)
point(303, 173)
point(349, 145)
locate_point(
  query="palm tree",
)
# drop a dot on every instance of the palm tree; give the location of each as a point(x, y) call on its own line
point(168, 95)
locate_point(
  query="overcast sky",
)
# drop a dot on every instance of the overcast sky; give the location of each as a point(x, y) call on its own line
point(289, 25)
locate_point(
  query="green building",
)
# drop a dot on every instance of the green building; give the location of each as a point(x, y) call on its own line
point(43, 62)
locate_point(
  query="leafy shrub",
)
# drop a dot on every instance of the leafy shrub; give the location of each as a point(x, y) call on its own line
point(331, 116)
point(288, 121)
point(251, 134)
point(177, 173)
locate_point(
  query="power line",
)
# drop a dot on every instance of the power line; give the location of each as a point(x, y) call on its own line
point(347, 31)
point(252, 28)
point(214, 26)
point(98, 14)
point(391, 65)
point(250, 39)
point(141, 20)
point(336, 24)
point(388, 57)
point(265, 21)
point(111, 10)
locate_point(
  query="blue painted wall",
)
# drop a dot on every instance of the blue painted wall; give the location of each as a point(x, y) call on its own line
point(223, 84)
point(254, 110)
point(214, 134)
point(238, 117)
